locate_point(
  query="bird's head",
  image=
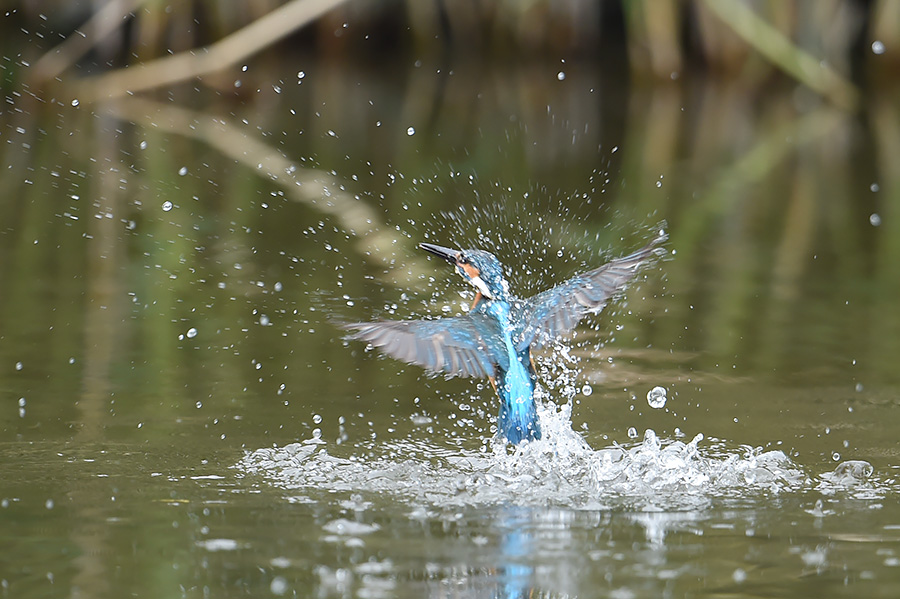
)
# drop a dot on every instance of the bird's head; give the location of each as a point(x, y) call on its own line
point(480, 268)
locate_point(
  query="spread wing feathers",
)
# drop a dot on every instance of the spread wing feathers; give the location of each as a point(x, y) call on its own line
point(557, 311)
point(469, 345)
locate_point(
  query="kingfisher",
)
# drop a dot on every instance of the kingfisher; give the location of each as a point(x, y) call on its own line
point(495, 338)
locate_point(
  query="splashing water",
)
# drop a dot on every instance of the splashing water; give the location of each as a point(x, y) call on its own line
point(560, 469)
point(656, 397)
point(547, 236)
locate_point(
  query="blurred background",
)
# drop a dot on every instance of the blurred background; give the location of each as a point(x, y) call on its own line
point(193, 193)
point(764, 133)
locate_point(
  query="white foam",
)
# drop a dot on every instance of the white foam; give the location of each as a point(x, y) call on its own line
point(559, 469)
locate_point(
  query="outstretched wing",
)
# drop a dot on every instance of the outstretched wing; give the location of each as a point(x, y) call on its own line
point(555, 312)
point(468, 345)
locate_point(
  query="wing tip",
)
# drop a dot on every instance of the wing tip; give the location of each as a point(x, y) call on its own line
point(354, 330)
point(398, 339)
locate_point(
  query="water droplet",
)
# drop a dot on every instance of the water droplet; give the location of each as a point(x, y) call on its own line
point(144, 145)
point(192, 332)
point(587, 390)
point(317, 419)
point(632, 433)
point(279, 586)
point(300, 74)
point(19, 366)
point(836, 456)
point(874, 187)
point(874, 219)
point(167, 205)
point(21, 402)
point(75, 102)
point(264, 320)
point(878, 47)
point(411, 131)
point(182, 171)
point(561, 75)
point(656, 397)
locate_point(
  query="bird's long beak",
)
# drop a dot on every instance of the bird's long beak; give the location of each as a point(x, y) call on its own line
point(441, 252)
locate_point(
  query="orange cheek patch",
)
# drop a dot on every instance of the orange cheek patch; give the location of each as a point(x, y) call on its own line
point(471, 271)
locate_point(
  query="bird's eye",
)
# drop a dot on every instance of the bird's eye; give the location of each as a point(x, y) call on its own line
point(463, 260)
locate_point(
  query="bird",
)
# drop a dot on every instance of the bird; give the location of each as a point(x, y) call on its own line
point(495, 338)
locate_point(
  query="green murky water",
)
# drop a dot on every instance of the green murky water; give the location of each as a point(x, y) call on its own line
point(170, 283)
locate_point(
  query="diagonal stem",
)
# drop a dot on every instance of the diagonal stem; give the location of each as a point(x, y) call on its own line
point(785, 55)
point(227, 52)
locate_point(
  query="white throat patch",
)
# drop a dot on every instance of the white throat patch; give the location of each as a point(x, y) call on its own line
point(481, 286)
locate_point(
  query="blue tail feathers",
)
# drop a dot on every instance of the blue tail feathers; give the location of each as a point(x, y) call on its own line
point(518, 420)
